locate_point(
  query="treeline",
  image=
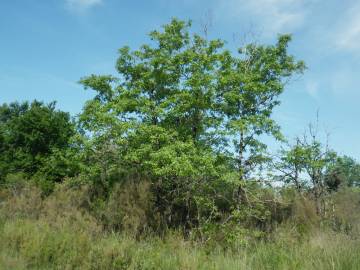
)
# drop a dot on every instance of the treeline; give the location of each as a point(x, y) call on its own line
point(174, 143)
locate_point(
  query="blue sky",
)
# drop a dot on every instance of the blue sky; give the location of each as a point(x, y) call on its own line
point(46, 46)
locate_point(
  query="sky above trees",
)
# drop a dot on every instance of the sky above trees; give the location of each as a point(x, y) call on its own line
point(47, 46)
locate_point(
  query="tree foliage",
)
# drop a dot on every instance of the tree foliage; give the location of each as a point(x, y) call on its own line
point(31, 135)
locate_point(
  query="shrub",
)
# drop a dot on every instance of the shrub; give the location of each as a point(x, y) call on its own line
point(71, 207)
point(130, 208)
point(20, 199)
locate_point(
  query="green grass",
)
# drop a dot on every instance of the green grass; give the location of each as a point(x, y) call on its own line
point(35, 244)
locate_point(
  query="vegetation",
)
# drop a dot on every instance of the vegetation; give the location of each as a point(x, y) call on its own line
point(165, 169)
point(57, 232)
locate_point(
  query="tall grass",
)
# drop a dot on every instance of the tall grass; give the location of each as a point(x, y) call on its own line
point(29, 244)
point(57, 233)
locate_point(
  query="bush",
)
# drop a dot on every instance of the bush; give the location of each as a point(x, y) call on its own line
point(71, 207)
point(20, 199)
point(344, 212)
point(130, 208)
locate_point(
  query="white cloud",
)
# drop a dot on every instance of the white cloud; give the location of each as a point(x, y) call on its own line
point(348, 32)
point(274, 16)
point(81, 5)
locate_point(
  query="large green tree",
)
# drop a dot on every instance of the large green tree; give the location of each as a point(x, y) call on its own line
point(187, 113)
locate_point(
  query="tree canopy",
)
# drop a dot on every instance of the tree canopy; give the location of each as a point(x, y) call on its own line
point(185, 97)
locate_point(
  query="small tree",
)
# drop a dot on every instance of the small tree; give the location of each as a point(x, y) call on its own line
point(306, 165)
point(291, 166)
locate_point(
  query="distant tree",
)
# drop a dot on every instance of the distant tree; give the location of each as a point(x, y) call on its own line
point(345, 171)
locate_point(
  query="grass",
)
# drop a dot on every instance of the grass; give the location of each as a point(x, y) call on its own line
point(34, 244)
point(57, 233)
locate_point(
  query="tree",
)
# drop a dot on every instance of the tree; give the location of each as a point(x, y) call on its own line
point(345, 171)
point(30, 133)
point(172, 114)
point(291, 166)
point(158, 114)
point(306, 164)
